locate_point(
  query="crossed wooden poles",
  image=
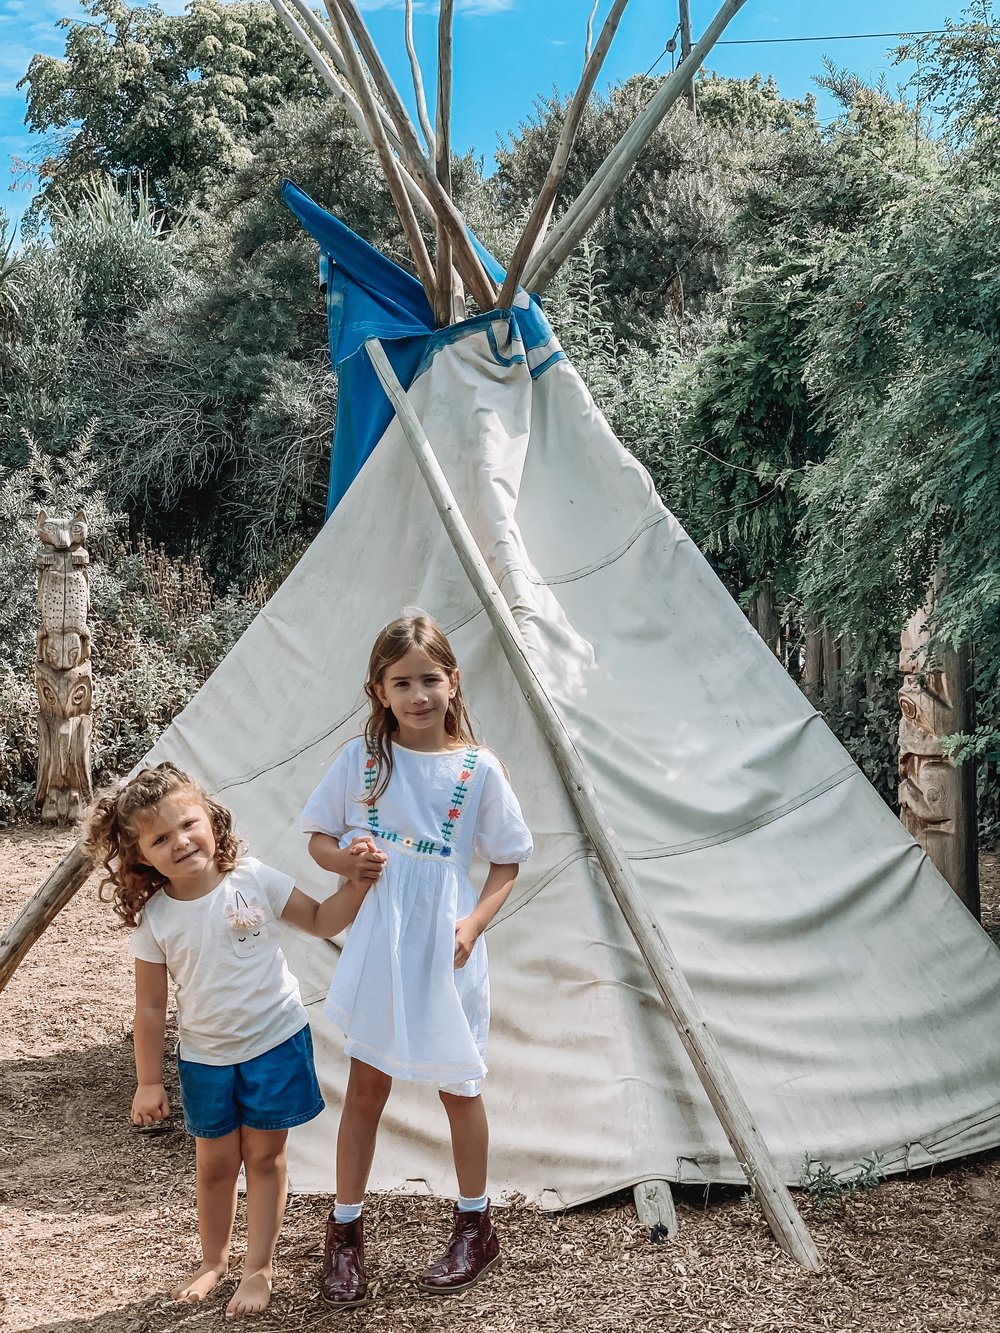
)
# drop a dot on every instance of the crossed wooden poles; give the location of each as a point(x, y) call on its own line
point(349, 63)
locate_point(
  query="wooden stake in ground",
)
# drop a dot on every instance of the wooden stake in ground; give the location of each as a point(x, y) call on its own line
point(748, 1147)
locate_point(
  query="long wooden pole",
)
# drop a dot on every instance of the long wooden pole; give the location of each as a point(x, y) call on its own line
point(534, 228)
point(684, 15)
point(42, 908)
point(467, 261)
point(749, 1148)
point(315, 54)
point(587, 207)
point(445, 303)
point(393, 176)
point(322, 38)
point(417, 77)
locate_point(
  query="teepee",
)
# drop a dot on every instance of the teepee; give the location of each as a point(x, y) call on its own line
point(823, 993)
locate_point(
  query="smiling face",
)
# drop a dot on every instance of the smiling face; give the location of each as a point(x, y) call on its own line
point(418, 691)
point(176, 838)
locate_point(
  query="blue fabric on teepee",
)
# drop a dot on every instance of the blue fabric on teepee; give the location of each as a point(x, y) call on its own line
point(368, 296)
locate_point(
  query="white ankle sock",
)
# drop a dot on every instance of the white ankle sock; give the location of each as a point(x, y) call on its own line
point(347, 1212)
point(472, 1205)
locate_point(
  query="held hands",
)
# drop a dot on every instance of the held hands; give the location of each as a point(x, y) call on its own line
point(149, 1104)
point(366, 863)
point(466, 934)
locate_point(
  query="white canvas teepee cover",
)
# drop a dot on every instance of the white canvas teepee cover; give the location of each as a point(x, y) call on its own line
point(855, 999)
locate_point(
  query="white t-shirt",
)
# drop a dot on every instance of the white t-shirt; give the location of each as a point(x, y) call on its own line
point(235, 996)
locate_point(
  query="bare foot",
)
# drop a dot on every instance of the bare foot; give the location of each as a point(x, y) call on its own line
point(207, 1277)
point(251, 1296)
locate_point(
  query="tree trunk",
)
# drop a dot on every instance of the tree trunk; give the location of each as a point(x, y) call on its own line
point(764, 617)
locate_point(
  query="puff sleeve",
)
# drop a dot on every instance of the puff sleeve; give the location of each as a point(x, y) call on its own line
point(328, 808)
point(501, 837)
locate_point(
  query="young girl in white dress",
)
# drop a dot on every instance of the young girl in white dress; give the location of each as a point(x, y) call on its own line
point(411, 990)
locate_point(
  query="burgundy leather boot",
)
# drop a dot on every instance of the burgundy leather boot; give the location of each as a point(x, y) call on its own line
point(344, 1283)
point(473, 1249)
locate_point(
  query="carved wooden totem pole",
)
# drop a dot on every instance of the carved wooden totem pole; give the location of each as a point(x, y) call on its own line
point(62, 668)
point(937, 800)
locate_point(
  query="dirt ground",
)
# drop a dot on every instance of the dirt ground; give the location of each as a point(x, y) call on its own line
point(97, 1219)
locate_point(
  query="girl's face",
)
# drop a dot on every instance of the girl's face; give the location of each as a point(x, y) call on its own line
point(176, 838)
point(418, 691)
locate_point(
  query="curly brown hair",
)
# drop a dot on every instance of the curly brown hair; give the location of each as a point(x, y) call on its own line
point(112, 836)
point(392, 643)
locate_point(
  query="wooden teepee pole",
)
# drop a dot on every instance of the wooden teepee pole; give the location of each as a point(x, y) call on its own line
point(467, 260)
point(534, 228)
point(322, 39)
point(586, 208)
point(417, 77)
point(725, 1096)
point(450, 302)
point(42, 908)
point(393, 175)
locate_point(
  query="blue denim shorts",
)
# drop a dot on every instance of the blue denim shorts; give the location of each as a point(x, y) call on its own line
point(275, 1090)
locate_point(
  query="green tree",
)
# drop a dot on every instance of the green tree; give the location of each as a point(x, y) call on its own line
point(958, 79)
point(753, 429)
point(217, 400)
point(103, 262)
point(905, 350)
point(173, 100)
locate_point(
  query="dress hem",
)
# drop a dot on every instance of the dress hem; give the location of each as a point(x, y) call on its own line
point(409, 1071)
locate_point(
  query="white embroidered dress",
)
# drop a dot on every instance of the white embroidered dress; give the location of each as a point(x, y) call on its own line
point(404, 1007)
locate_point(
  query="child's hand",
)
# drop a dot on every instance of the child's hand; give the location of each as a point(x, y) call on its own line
point(149, 1104)
point(466, 934)
point(367, 862)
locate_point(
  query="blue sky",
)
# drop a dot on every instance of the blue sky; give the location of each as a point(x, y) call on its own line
point(508, 52)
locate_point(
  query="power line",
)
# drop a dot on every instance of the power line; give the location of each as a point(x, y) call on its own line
point(835, 37)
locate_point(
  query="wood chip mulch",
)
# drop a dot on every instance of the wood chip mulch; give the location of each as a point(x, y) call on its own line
point(97, 1219)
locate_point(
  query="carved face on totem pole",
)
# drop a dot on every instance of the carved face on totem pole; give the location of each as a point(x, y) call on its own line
point(929, 782)
point(63, 533)
point(64, 695)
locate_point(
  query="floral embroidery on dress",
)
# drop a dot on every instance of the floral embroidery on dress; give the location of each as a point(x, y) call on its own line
point(425, 846)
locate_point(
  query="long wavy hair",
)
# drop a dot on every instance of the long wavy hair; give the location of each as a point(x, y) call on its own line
point(397, 639)
point(113, 831)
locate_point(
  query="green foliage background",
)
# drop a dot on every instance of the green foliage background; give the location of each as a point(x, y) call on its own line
point(792, 325)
